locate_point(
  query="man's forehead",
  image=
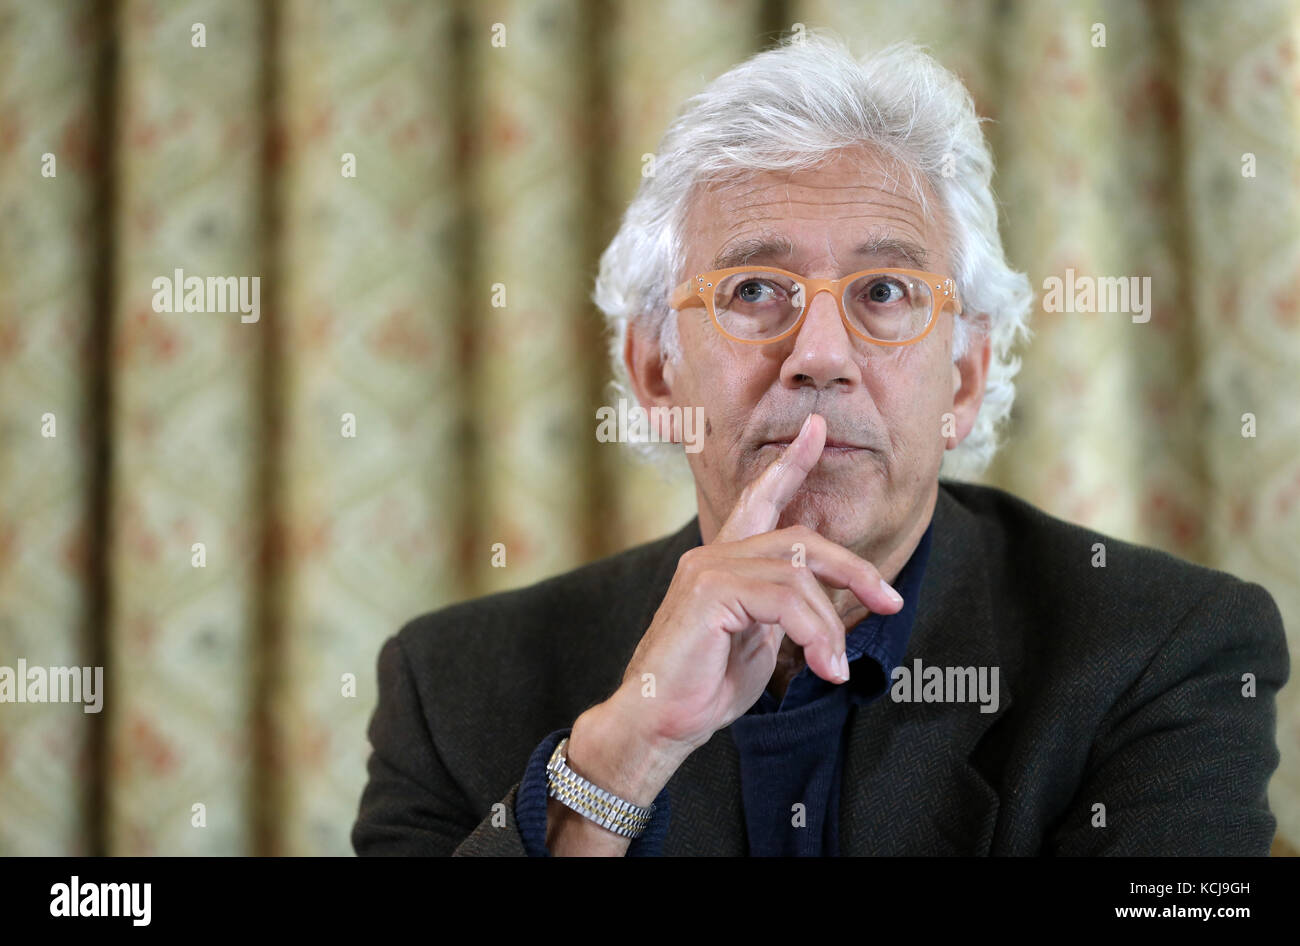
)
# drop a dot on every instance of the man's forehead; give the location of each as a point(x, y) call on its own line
point(862, 179)
point(878, 243)
point(845, 210)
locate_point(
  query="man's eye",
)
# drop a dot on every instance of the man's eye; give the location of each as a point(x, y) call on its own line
point(754, 291)
point(884, 291)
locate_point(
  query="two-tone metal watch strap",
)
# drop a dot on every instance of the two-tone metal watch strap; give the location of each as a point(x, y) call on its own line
point(606, 809)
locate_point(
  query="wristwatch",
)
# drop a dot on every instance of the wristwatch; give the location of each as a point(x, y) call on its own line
point(606, 809)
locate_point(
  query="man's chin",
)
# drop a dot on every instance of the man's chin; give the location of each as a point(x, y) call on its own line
point(838, 517)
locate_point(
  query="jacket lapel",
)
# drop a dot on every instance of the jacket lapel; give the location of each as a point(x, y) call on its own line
point(909, 785)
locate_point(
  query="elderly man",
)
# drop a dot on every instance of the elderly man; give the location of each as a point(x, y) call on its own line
point(843, 653)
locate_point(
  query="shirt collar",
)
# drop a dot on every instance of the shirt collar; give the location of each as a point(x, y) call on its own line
point(881, 638)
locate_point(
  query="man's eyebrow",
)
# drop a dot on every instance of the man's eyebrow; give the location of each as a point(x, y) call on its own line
point(890, 248)
point(894, 248)
point(741, 252)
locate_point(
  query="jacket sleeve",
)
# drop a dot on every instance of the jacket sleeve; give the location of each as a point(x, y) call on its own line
point(411, 806)
point(1182, 760)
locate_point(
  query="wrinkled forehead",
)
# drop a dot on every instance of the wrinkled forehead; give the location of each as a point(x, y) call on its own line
point(833, 213)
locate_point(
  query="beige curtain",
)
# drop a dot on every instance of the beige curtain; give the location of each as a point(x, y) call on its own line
point(230, 515)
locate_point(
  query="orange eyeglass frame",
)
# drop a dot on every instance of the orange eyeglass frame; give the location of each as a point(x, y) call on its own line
point(695, 293)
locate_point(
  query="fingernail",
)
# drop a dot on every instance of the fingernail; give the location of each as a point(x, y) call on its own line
point(890, 593)
point(804, 429)
point(844, 665)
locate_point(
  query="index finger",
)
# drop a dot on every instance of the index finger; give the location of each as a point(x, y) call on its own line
point(759, 508)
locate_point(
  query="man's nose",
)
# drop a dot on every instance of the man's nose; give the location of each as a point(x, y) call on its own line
point(824, 353)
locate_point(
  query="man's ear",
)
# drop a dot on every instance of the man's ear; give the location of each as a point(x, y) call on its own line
point(969, 374)
point(651, 377)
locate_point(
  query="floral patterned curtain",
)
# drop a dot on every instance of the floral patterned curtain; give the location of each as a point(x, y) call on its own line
point(230, 511)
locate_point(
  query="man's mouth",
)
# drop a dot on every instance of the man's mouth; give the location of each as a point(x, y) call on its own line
point(833, 447)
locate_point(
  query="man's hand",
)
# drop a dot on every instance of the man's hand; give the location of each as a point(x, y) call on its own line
point(713, 643)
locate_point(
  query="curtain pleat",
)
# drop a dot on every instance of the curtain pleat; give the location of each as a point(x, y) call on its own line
point(185, 432)
point(373, 386)
point(529, 400)
point(49, 258)
point(1240, 94)
point(1064, 216)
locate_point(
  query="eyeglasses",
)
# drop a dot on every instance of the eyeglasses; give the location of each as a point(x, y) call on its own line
point(761, 305)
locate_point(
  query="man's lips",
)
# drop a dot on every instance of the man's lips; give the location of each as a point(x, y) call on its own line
point(831, 444)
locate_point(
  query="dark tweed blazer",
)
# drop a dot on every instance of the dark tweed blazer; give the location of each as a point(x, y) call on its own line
point(1121, 686)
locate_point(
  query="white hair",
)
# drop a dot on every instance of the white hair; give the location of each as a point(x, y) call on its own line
point(795, 107)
